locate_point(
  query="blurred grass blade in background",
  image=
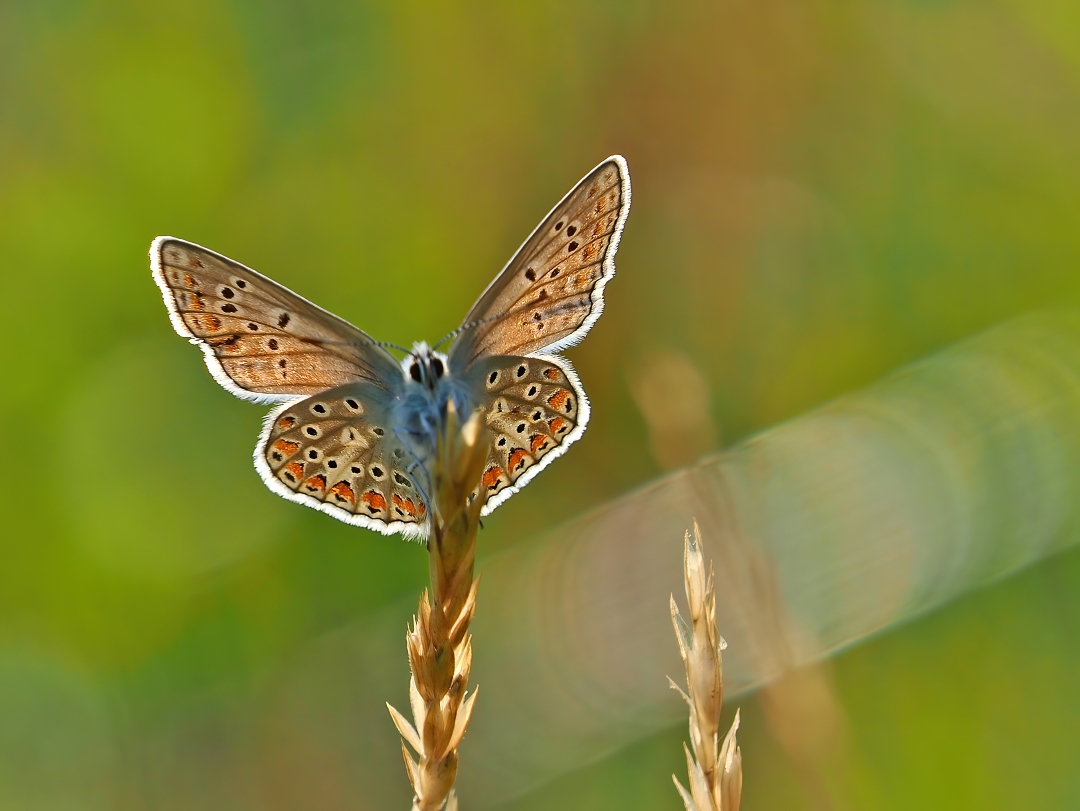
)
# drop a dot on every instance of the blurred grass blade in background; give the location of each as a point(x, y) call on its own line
point(885, 504)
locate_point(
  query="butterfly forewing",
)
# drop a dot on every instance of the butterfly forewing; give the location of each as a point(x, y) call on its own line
point(338, 451)
point(261, 340)
point(551, 292)
point(535, 410)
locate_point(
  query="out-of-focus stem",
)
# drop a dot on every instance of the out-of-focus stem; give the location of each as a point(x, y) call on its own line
point(715, 768)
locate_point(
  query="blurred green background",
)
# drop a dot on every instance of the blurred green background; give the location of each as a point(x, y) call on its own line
point(823, 191)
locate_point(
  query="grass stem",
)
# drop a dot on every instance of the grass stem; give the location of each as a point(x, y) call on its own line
point(439, 642)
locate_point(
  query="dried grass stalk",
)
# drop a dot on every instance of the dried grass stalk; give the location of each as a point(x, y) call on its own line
point(715, 768)
point(439, 642)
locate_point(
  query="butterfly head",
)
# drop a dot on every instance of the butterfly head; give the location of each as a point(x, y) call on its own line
point(425, 366)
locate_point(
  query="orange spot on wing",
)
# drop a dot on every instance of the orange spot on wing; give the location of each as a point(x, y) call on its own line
point(601, 204)
point(195, 302)
point(598, 229)
point(211, 323)
point(286, 422)
point(492, 476)
point(286, 447)
point(557, 425)
point(558, 399)
point(343, 492)
point(295, 470)
point(538, 442)
point(590, 250)
point(373, 500)
point(551, 374)
point(189, 281)
point(405, 504)
point(517, 459)
point(316, 483)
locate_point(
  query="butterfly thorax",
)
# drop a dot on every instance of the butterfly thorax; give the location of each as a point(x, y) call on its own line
point(429, 386)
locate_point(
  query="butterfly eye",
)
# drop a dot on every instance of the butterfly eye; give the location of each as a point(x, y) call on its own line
point(414, 372)
point(437, 367)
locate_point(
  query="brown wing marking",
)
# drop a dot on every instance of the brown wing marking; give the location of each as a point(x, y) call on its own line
point(261, 340)
point(551, 292)
point(536, 409)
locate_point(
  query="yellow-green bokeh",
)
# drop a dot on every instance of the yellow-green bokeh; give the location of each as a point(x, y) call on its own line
point(823, 191)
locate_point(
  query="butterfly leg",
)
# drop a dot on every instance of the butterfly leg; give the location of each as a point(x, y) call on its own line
point(416, 463)
point(419, 486)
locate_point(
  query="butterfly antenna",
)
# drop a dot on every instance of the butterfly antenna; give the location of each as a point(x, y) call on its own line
point(324, 342)
point(447, 337)
point(466, 327)
point(478, 323)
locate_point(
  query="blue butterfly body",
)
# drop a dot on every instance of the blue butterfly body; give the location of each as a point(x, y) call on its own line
point(429, 384)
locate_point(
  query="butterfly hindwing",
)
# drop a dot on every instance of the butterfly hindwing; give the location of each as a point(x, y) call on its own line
point(261, 340)
point(552, 290)
point(338, 452)
point(535, 408)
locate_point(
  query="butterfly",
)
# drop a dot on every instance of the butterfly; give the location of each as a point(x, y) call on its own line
point(355, 428)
